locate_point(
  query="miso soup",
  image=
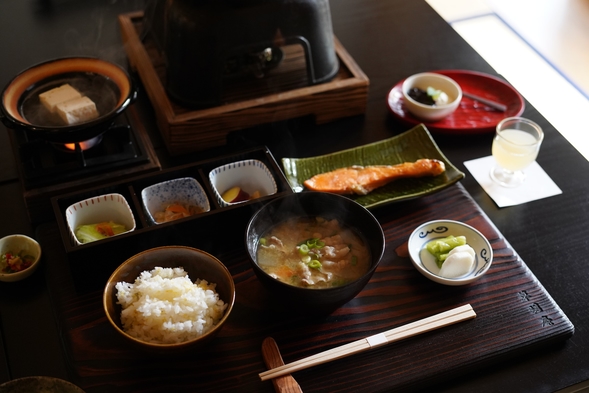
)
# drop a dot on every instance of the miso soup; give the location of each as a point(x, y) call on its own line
point(313, 252)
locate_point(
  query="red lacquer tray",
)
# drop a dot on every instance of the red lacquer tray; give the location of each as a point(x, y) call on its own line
point(471, 117)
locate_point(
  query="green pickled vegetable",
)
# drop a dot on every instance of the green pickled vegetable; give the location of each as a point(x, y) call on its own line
point(92, 232)
point(440, 248)
point(433, 93)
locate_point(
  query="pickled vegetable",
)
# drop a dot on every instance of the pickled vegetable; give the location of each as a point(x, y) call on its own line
point(430, 96)
point(440, 248)
point(176, 211)
point(13, 263)
point(92, 232)
point(459, 262)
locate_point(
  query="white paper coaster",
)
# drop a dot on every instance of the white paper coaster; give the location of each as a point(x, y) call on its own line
point(537, 185)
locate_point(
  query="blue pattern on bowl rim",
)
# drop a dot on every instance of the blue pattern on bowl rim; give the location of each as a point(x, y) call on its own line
point(425, 262)
point(185, 190)
point(251, 175)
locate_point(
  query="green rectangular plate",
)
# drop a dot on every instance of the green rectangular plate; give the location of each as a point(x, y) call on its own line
point(407, 147)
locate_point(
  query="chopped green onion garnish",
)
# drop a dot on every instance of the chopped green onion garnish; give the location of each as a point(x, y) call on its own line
point(263, 241)
point(303, 249)
point(315, 264)
point(313, 243)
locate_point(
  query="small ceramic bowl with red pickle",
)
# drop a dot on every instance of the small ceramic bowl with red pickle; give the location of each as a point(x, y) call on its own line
point(19, 257)
point(99, 218)
point(431, 97)
point(242, 181)
point(174, 199)
point(450, 252)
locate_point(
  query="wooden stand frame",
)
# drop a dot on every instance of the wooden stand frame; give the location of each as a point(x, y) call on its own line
point(283, 94)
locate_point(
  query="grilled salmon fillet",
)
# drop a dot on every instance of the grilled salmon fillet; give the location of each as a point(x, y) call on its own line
point(363, 179)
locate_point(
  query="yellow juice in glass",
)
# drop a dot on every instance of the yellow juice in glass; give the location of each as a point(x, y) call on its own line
point(514, 150)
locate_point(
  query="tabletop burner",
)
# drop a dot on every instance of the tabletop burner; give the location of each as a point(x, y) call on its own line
point(47, 163)
point(79, 147)
point(48, 168)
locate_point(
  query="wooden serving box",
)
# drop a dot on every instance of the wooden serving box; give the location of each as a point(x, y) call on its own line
point(281, 95)
point(92, 263)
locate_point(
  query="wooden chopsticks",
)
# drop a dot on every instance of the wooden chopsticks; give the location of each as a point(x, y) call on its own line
point(437, 321)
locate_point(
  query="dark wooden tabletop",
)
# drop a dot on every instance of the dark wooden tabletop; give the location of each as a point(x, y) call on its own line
point(389, 40)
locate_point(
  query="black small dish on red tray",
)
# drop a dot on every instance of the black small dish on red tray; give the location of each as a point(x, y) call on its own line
point(471, 117)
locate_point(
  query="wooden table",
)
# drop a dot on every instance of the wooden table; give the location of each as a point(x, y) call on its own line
point(389, 40)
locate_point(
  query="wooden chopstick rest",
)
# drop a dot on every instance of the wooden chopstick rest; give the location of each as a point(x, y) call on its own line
point(272, 358)
point(437, 321)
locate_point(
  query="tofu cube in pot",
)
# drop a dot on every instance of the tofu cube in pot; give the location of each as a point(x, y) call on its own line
point(51, 98)
point(77, 110)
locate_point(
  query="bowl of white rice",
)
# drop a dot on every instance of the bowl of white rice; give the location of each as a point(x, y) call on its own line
point(169, 298)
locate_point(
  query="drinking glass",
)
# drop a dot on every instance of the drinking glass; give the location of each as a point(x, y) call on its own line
point(516, 145)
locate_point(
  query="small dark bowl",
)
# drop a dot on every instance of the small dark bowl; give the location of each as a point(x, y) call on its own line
point(197, 263)
point(107, 84)
point(39, 384)
point(312, 204)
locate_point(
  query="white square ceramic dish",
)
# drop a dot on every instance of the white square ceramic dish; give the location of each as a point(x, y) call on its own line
point(425, 262)
point(250, 175)
point(104, 208)
point(186, 191)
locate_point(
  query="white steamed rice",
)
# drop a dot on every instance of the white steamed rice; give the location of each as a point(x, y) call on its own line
point(163, 306)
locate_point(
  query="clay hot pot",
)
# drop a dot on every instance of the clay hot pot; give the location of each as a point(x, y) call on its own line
point(105, 83)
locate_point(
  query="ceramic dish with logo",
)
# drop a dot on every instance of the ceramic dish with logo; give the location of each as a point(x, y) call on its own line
point(108, 208)
point(19, 257)
point(425, 262)
point(253, 178)
point(173, 199)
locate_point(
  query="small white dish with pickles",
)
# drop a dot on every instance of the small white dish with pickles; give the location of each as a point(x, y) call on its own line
point(450, 252)
point(242, 181)
point(174, 199)
point(99, 218)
